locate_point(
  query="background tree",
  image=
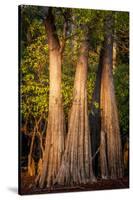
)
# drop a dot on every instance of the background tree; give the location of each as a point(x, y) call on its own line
point(33, 85)
point(110, 142)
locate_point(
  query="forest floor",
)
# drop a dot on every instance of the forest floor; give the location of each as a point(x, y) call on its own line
point(27, 186)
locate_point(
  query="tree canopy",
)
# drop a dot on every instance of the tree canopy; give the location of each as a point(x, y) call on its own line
point(34, 58)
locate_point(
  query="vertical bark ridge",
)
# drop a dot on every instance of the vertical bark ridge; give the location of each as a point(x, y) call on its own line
point(110, 148)
point(76, 165)
point(54, 145)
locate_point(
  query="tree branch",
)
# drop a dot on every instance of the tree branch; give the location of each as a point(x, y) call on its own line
point(96, 153)
point(62, 43)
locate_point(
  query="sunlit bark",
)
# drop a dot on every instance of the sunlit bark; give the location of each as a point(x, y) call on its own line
point(110, 146)
point(76, 166)
point(54, 145)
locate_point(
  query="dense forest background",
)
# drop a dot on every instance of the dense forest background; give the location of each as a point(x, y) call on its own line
point(34, 74)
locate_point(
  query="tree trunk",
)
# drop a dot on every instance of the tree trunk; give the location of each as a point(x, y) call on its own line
point(114, 53)
point(31, 163)
point(54, 145)
point(115, 43)
point(110, 147)
point(76, 166)
point(126, 156)
point(40, 161)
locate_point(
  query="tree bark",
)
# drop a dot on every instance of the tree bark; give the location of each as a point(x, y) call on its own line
point(54, 145)
point(76, 166)
point(115, 43)
point(110, 146)
point(114, 53)
point(31, 163)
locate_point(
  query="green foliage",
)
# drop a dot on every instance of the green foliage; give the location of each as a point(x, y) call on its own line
point(34, 85)
point(34, 74)
point(121, 77)
point(91, 84)
point(96, 104)
point(121, 21)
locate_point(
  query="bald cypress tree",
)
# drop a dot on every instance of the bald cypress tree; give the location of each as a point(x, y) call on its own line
point(110, 140)
point(54, 145)
point(76, 166)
